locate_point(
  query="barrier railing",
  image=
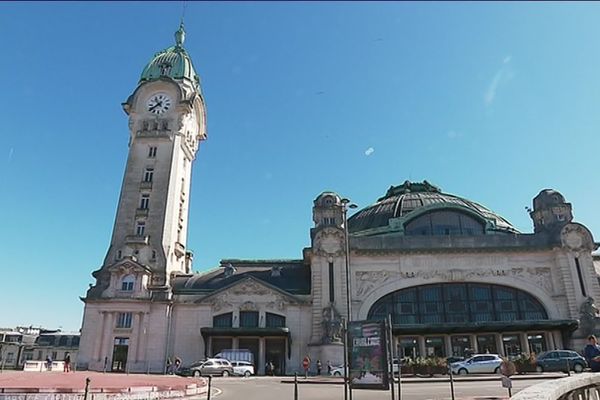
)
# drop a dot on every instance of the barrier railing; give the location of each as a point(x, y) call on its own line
point(584, 386)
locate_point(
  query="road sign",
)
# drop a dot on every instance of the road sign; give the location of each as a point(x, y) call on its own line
point(506, 382)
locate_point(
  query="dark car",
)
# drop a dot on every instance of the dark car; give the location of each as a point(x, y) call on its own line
point(560, 360)
point(212, 366)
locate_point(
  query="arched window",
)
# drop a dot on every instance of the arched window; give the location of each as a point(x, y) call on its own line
point(223, 320)
point(456, 303)
point(444, 222)
point(275, 320)
point(128, 283)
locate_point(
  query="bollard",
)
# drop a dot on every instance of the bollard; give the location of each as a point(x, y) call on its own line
point(295, 386)
point(87, 387)
point(399, 380)
point(209, 386)
point(451, 381)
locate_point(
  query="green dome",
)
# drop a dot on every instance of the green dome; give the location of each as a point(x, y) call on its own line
point(173, 62)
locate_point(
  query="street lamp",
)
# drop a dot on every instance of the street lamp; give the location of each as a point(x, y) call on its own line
point(346, 204)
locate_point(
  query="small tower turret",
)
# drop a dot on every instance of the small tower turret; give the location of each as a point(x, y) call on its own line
point(550, 211)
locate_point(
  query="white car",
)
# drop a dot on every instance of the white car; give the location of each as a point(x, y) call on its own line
point(478, 364)
point(242, 368)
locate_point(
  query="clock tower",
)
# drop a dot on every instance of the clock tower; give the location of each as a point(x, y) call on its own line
point(129, 304)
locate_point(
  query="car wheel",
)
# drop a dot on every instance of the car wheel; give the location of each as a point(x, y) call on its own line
point(247, 374)
point(225, 373)
point(497, 370)
point(337, 373)
point(578, 368)
point(197, 373)
point(463, 371)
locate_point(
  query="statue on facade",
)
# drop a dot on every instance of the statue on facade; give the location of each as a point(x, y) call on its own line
point(332, 325)
point(589, 317)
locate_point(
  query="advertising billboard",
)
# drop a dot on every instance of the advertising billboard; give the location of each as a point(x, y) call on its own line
point(367, 355)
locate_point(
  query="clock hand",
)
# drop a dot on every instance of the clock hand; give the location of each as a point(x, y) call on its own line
point(154, 106)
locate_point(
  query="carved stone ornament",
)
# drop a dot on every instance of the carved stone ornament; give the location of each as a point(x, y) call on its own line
point(575, 237)
point(332, 325)
point(589, 317)
point(368, 281)
point(278, 303)
point(329, 242)
point(220, 302)
point(248, 306)
point(248, 288)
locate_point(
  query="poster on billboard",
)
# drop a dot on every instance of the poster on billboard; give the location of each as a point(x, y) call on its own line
point(367, 355)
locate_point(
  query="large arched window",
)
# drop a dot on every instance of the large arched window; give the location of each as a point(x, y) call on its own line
point(456, 303)
point(444, 222)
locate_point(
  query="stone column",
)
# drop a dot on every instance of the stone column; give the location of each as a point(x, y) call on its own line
point(447, 345)
point(499, 344)
point(98, 345)
point(558, 339)
point(550, 340)
point(421, 341)
point(107, 344)
point(261, 356)
point(474, 344)
point(235, 342)
point(524, 343)
point(138, 319)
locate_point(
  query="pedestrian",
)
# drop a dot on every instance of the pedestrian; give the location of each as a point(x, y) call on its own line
point(268, 370)
point(169, 366)
point(319, 367)
point(329, 367)
point(591, 352)
point(67, 362)
point(48, 363)
point(306, 365)
point(177, 365)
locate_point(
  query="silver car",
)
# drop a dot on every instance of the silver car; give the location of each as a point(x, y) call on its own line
point(478, 364)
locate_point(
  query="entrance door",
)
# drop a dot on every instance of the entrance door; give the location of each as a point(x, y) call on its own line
point(275, 353)
point(119, 357)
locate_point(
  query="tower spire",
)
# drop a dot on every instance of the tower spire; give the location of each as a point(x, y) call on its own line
point(180, 35)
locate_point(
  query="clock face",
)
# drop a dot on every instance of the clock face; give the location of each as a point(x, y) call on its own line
point(159, 103)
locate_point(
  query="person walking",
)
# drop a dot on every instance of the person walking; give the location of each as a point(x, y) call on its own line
point(319, 367)
point(67, 362)
point(329, 367)
point(306, 365)
point(591, 352)
point(48, 363)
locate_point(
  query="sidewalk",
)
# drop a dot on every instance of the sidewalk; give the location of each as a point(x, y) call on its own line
point(331, 380)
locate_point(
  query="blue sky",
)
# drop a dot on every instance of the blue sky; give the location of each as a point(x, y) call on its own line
point(490, 101)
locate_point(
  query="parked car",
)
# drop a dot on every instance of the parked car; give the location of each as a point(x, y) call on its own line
point(558, 360)
point(211, 366)
point(478, 364)
point(242, 368)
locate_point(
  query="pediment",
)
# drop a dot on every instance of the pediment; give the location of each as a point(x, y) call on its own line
point(129, 266)
point(249, 293)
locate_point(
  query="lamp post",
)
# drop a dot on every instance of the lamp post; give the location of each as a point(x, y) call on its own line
point(345, 205)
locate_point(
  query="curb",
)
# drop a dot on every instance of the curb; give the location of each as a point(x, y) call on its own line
point(417, 380)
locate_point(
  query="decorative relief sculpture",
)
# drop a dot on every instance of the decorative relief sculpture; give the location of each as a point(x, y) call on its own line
point(367, 281)
point(220, 302)
point(248, 306)
point(332, 325)
point(278, 303)
point(329, 242)
point(576, 237)
point(249, 287)
point(589, 317)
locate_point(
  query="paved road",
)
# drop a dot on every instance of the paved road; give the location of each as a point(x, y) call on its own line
point(260, 388)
